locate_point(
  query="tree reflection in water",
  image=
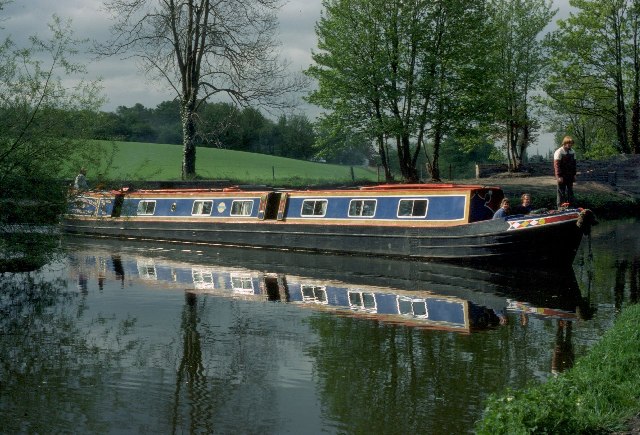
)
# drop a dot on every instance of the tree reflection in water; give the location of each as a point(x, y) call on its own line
point(51, 370)
point(204, 358)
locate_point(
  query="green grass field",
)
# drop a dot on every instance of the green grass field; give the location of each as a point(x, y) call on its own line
point(150, 161)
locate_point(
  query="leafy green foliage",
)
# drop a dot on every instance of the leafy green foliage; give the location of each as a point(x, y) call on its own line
point(595, 76)
point(596, 396)
point(521, 70)
point(41, 121)
point(408, 72)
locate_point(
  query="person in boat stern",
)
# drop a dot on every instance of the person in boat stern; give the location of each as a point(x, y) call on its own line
point(525, 205)
point(564, 165)
point(503, 211)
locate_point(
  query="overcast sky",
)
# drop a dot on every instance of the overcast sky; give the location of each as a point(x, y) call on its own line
point(123, 84)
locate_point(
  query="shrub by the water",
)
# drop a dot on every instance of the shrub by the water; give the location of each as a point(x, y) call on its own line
point(598, 395)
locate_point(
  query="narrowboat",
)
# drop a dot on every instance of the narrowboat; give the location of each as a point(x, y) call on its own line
point(445, 222)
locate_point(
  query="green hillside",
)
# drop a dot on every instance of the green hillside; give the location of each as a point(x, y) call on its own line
point(151, 161)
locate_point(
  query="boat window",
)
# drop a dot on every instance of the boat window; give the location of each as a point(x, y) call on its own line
point(362, 208)
point(202, 278)
point(146, 207)
point(412, 208)
point(202, 207)
point(314, 207)
point(314, 293)
point(413, 307)
point(359, 300)
point(147, 269)
point(241, 208)
point(242, 284)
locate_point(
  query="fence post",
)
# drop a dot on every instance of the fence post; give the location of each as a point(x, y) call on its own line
point(353, 175)
point(273, 172)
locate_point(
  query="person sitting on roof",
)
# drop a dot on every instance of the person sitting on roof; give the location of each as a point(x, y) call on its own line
point(503, 211)
point(80, 182)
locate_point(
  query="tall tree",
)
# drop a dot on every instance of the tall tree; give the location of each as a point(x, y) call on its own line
point(203, 48)
point(596, 68)
point(522, 67)
point(393, 70)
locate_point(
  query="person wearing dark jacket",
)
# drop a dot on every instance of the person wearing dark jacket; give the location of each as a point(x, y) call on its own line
point(564, 165)
point(525, 205)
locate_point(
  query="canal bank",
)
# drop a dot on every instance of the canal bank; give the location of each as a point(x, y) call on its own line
point(600, 394)
point(605, 200)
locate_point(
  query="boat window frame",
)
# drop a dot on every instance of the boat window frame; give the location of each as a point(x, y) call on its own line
point(203, 279)
point(412, 215)
point(146, 202)
point(202, 202)
point(325, 203)
point(147, 270)
point(242, 280)
point(366, 301)
point(363, 200)
point(316, 291)
point(243, 202)
point(413, 303)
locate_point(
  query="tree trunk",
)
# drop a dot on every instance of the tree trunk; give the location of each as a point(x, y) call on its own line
point(408, 170)
point(384, 158)
point(435, 165)
point(635, 108)
point(188, 140)
point(621, 110)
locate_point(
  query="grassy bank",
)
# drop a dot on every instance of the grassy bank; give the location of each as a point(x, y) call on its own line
point(150, 161)
point(139, 162)
point(600, 394)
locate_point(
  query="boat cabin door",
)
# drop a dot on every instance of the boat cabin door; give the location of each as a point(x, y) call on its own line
point(274, 205)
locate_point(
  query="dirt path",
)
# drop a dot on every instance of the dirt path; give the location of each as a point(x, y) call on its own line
point(535, 185)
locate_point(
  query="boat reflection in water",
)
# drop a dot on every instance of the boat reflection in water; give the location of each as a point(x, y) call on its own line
point(414, 294)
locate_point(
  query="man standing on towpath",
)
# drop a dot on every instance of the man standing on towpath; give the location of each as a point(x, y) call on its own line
point(564, 165)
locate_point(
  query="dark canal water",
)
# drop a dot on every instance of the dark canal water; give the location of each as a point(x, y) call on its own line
point(132, 337)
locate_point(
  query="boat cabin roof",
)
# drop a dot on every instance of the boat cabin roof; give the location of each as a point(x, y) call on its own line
point(426, 188)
